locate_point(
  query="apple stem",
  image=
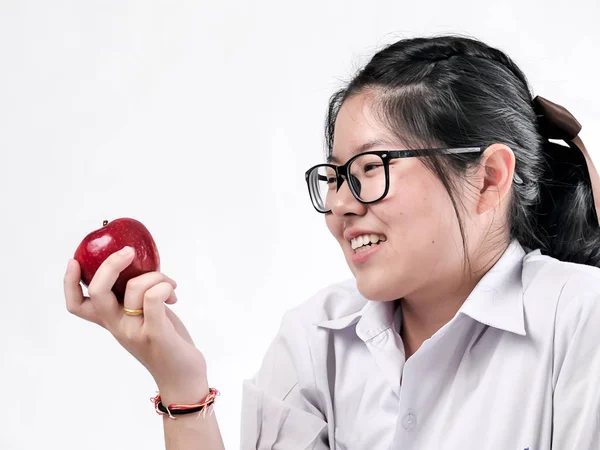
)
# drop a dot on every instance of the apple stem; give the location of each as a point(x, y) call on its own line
point(104, 223)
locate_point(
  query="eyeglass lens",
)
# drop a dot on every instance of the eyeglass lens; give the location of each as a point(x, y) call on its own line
point(367, 178)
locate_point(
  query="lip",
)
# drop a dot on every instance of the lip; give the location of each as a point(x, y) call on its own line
point(359, 258)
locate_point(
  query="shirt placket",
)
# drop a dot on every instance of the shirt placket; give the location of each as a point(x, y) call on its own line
point(423, 377)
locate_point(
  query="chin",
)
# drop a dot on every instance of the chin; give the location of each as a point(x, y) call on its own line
point(372, 283)
point(375, 289)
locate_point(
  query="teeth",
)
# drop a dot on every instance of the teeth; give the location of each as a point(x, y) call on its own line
point(366, 239)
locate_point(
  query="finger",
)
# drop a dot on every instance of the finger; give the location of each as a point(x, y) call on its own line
point(172, 299)
point(137, 287)
point(77, 304)
point(154, 309)
point(100, 288)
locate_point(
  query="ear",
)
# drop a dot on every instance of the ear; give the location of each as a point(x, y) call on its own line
point(497, 166)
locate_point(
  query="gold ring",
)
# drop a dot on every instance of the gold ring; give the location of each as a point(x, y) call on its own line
point(133, 312)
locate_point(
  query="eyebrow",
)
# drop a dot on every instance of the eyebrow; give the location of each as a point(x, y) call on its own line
point(362, 148)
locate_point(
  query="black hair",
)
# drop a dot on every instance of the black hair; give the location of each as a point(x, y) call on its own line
point(456, 91)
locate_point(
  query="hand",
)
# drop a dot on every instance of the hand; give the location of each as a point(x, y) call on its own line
point(158, 339)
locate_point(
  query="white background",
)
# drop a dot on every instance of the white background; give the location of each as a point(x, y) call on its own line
point(199, 119)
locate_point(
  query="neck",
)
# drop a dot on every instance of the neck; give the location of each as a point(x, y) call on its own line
point(426, 311)
point(421, 321)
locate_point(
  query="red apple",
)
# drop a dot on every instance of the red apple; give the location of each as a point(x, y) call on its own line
point(113, 236)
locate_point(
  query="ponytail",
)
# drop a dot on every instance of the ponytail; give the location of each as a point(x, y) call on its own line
point(566, 216)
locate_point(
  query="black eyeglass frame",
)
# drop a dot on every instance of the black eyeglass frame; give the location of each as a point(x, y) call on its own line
point(386, 156)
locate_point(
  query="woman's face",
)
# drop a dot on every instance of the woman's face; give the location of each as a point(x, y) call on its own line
point(420, 245)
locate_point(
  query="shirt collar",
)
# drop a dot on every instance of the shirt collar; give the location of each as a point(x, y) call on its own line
point(497, 301)
point(372, 319)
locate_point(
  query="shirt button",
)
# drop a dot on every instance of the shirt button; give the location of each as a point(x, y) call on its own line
point(409, 421)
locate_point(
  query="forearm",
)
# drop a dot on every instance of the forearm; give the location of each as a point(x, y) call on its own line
point(191, 431)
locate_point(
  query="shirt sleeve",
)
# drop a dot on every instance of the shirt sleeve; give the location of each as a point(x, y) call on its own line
point(577, 371)
point(279, 403)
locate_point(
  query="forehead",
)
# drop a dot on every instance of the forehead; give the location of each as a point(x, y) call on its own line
point(357, 129)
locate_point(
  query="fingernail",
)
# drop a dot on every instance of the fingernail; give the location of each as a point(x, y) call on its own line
point(125, 251)
point(70, 266)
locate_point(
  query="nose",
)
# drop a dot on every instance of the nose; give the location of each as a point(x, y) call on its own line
point(343, 202)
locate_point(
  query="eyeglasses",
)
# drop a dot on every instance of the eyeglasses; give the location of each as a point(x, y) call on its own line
point(367, 174)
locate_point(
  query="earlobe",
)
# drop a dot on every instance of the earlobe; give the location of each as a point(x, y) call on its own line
point(498, 164)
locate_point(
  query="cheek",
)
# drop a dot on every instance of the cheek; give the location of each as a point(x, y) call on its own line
point(419, 208)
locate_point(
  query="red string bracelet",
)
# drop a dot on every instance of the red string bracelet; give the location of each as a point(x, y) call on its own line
point(173, 409)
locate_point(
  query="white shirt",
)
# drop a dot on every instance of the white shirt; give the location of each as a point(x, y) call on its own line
point(518, 367)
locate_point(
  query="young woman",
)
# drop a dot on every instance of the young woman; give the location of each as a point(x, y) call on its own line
point(473, 318)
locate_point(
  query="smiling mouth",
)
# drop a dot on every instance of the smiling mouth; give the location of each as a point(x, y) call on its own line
point(363, 243)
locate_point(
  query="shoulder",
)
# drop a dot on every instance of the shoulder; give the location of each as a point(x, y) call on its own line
point(562, 305)
point(289, 359)
point(545, 271)
point(571, 290)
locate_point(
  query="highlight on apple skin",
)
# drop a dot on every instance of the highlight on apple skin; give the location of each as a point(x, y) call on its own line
point(110, 238)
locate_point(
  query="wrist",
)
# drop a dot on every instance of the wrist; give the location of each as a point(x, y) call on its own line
point(187, 393)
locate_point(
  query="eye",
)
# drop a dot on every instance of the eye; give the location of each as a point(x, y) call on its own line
point(371, 166)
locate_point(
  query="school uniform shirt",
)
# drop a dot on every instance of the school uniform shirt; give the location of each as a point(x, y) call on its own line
point(518, 367)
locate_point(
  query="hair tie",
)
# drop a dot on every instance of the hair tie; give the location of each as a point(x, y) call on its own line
point(555, 122)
